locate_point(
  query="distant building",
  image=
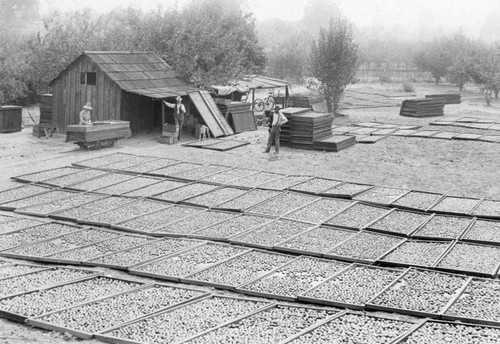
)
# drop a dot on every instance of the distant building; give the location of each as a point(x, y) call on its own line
point(120, 85)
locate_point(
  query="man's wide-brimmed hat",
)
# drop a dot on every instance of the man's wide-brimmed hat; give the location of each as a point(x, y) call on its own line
point(277, 107)
point(178, 98)
point(87, 106)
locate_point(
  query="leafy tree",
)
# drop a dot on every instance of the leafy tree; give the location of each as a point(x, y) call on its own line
point(485, 71)
point(334, 60)
point(213, 42)
point(288, 60)
point(462, 51)
point(434, 59)
point(12, 65)
point(210, 41)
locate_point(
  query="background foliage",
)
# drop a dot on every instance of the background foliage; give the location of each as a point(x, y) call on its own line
point(209, 41)
point(217, 41)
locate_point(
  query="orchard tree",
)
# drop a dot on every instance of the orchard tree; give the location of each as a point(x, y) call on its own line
point(462, 51)
point(434, 58)
point(288, 59)
point(334, 60)
point(213, 41)
point(12, 66)
point(210, 41)
point(485, 72)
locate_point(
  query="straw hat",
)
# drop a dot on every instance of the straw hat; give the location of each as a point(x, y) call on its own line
point(87, 106)
point(178, 98)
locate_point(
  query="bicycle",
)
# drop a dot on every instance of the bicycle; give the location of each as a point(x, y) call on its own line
point(264, 104)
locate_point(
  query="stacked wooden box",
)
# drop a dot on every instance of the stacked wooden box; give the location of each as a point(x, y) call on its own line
point(46, 118)
point(10, 118)
point(239, 115)
point(99, 131)
point(286, 129)
point(309, 127)
point(307, 100)
point(423, 107)
point(449, 98)
point(46, 109)
point(334, 143)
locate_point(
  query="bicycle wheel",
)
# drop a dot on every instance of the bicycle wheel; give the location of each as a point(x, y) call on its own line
point(269, 103)
point(258, 105)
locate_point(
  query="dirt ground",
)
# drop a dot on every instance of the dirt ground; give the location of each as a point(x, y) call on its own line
point(462, 168)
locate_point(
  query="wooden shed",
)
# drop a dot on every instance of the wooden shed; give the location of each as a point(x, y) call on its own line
point(120, 85)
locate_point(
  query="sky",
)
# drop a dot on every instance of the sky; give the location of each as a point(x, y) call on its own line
point(449, 14)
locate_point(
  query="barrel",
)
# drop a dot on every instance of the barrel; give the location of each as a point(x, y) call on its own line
point(11, 119)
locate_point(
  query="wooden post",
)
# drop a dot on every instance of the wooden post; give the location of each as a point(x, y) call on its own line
point(162, 117)
point(286, 96)
point(253, 98)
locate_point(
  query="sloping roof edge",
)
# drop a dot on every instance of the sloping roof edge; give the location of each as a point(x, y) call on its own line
point(260, 81)
point(160, 92)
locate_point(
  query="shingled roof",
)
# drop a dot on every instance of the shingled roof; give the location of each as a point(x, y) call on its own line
point(259, 81)
point(143, 73)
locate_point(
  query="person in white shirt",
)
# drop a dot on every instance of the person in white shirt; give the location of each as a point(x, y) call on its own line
point(85, 115)
point(278, 120)
point(179, 111)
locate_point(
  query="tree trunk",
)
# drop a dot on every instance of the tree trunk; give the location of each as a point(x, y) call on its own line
point(328, 98)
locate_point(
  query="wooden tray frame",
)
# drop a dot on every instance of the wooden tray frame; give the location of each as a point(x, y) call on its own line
point(372, 306)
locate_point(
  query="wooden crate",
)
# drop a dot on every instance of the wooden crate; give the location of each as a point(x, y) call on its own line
point(11, 118)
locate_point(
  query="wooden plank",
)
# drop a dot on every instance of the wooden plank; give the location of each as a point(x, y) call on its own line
point(83, 97)
point(101, 114)
point(243, 121)
point(206, 114)
point(72, 80)
point(79, 87)
point(94, 96)
point(216, 112)
point(118, 98)
point(111, 98)
point(65, 87)
point(105, 91)
point(60, 103)
point(55, 102)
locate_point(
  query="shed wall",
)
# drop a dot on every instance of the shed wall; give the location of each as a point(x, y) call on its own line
point(69, 95)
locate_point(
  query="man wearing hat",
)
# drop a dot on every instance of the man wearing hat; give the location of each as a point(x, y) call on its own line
point(85, 115)
point(179, 111)
point(278, 120)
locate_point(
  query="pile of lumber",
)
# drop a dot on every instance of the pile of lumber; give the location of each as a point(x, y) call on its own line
point(423, 107)
point(47, 125)
point(314, 102)
point(46, 109)
point(99, 131)
point(309, 127)
point(334, 143)
point(239, 114)
point(286, 129)
point(449, 98)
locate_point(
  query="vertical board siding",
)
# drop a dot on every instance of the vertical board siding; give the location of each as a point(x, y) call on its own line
point(105, 97)
point(69, 95)
point(100, 96)
point(109, 101)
